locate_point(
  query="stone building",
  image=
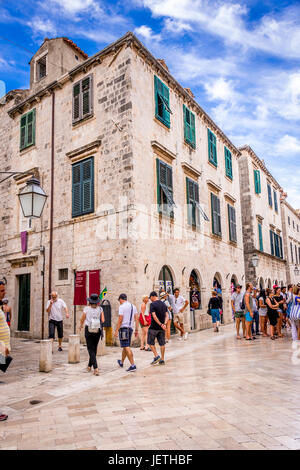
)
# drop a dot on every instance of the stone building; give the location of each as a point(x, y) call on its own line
point(291, 230)
point(142, 185)
point(262, 222)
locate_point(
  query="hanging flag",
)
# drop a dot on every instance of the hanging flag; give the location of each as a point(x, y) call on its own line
point(80, 288)
point(103, 293)
point(94, 282)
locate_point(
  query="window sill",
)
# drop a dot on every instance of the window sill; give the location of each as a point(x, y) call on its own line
point(162, 123)
point(216, 237)
point(213, 165)
point(79, 218)
point(229, 178)
point(191, 146)
point(230, 242)
point(28, 149)
point(83, 121)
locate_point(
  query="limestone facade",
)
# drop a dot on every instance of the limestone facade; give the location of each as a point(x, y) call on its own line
point(262, 222)
point(291, 228)
point(124, 235)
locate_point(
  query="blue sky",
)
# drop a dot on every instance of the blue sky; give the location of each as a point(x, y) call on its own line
point(240, 58)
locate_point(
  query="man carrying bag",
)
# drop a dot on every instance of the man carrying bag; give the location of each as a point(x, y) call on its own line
point(128, 316)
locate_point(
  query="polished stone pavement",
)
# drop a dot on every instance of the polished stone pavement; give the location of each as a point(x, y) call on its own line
point(214, 392)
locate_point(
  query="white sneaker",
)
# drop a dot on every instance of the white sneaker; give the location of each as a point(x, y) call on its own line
point(180, 338)
point(185, 336)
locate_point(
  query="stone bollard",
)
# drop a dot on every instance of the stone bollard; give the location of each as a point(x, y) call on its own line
point(46, 355)
point(101, 350)
point(74, 349)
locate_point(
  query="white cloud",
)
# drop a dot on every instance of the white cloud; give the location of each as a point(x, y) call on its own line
point(147, 33)
point(288, 145)
point(220, 89)
point(275, 35)
point(42, 27)
point(73, 7)
point(177, 26)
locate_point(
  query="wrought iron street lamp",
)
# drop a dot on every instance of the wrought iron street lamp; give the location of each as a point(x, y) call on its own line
point(32, 199)
point(255, 260)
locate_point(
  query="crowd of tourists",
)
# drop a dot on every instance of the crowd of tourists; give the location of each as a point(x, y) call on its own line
point(268, 312)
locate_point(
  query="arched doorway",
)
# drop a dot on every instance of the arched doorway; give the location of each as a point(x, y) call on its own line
point(269, 284)
point(166, 283)
point(195, 296)
point(261, 283)
point(165, 280)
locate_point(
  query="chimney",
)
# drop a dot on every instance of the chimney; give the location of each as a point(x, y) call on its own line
point(189, 91)
point(163, 63)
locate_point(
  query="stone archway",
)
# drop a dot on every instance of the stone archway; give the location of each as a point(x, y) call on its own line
point(166, 279)
point(261, 283)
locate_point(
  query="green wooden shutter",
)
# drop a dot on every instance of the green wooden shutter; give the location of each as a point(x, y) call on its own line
point(76, 189)
point(76, 102)
point(86, 96)
point(228, 162)
point(272, 242)
point(30, 128)
point(87, 186)
point(23, 122)
point(216, 215)
point(270, 196)
point(275, 201)
point(257, 183)
point(189, 205)
point(189, 127)
point(232, 223)
point(212, 147)
point(260, 236)
point(162, 97)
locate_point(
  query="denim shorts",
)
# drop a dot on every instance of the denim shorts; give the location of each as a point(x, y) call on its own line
point(215, 315)
point(125, 343)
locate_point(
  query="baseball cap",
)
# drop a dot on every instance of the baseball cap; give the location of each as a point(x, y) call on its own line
point(122, 297)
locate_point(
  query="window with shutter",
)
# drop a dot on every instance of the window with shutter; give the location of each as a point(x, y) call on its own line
point(275, 201)
point(270, 196)
point(83, 187)
point(272, 242)
point(216, 215)
point(82, 103)
point(228, 163)
point(212, 148)
point(162, 102)
point(165, 199)
point(193, 206)
point(260, 237)
point(232, 224)
point(257, 183)
point(27, 130)
point(189, 127)
point(292, 254)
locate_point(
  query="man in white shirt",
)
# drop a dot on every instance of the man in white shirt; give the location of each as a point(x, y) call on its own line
point(128, 316)
point(179, 304)
point(239, 315)
point(55, 309)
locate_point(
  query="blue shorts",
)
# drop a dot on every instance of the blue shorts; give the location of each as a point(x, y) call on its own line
point(215, 315)
point(125, 337)
point(248, 317)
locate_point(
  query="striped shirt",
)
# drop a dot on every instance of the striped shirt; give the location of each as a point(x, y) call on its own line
point(4, 331)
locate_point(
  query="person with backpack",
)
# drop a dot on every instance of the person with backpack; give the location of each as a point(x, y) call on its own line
point(157, 330)
point(214, 306)
point(92, 318)
point(128, 316)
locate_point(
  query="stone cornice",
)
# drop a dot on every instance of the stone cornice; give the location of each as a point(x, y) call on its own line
point(189, 169)
point(81, 151)
point(22, 262)
point(213, 185)
point(163, 150)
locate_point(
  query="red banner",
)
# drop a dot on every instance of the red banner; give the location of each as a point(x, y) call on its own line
point(94, 282)
point(80, 288)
